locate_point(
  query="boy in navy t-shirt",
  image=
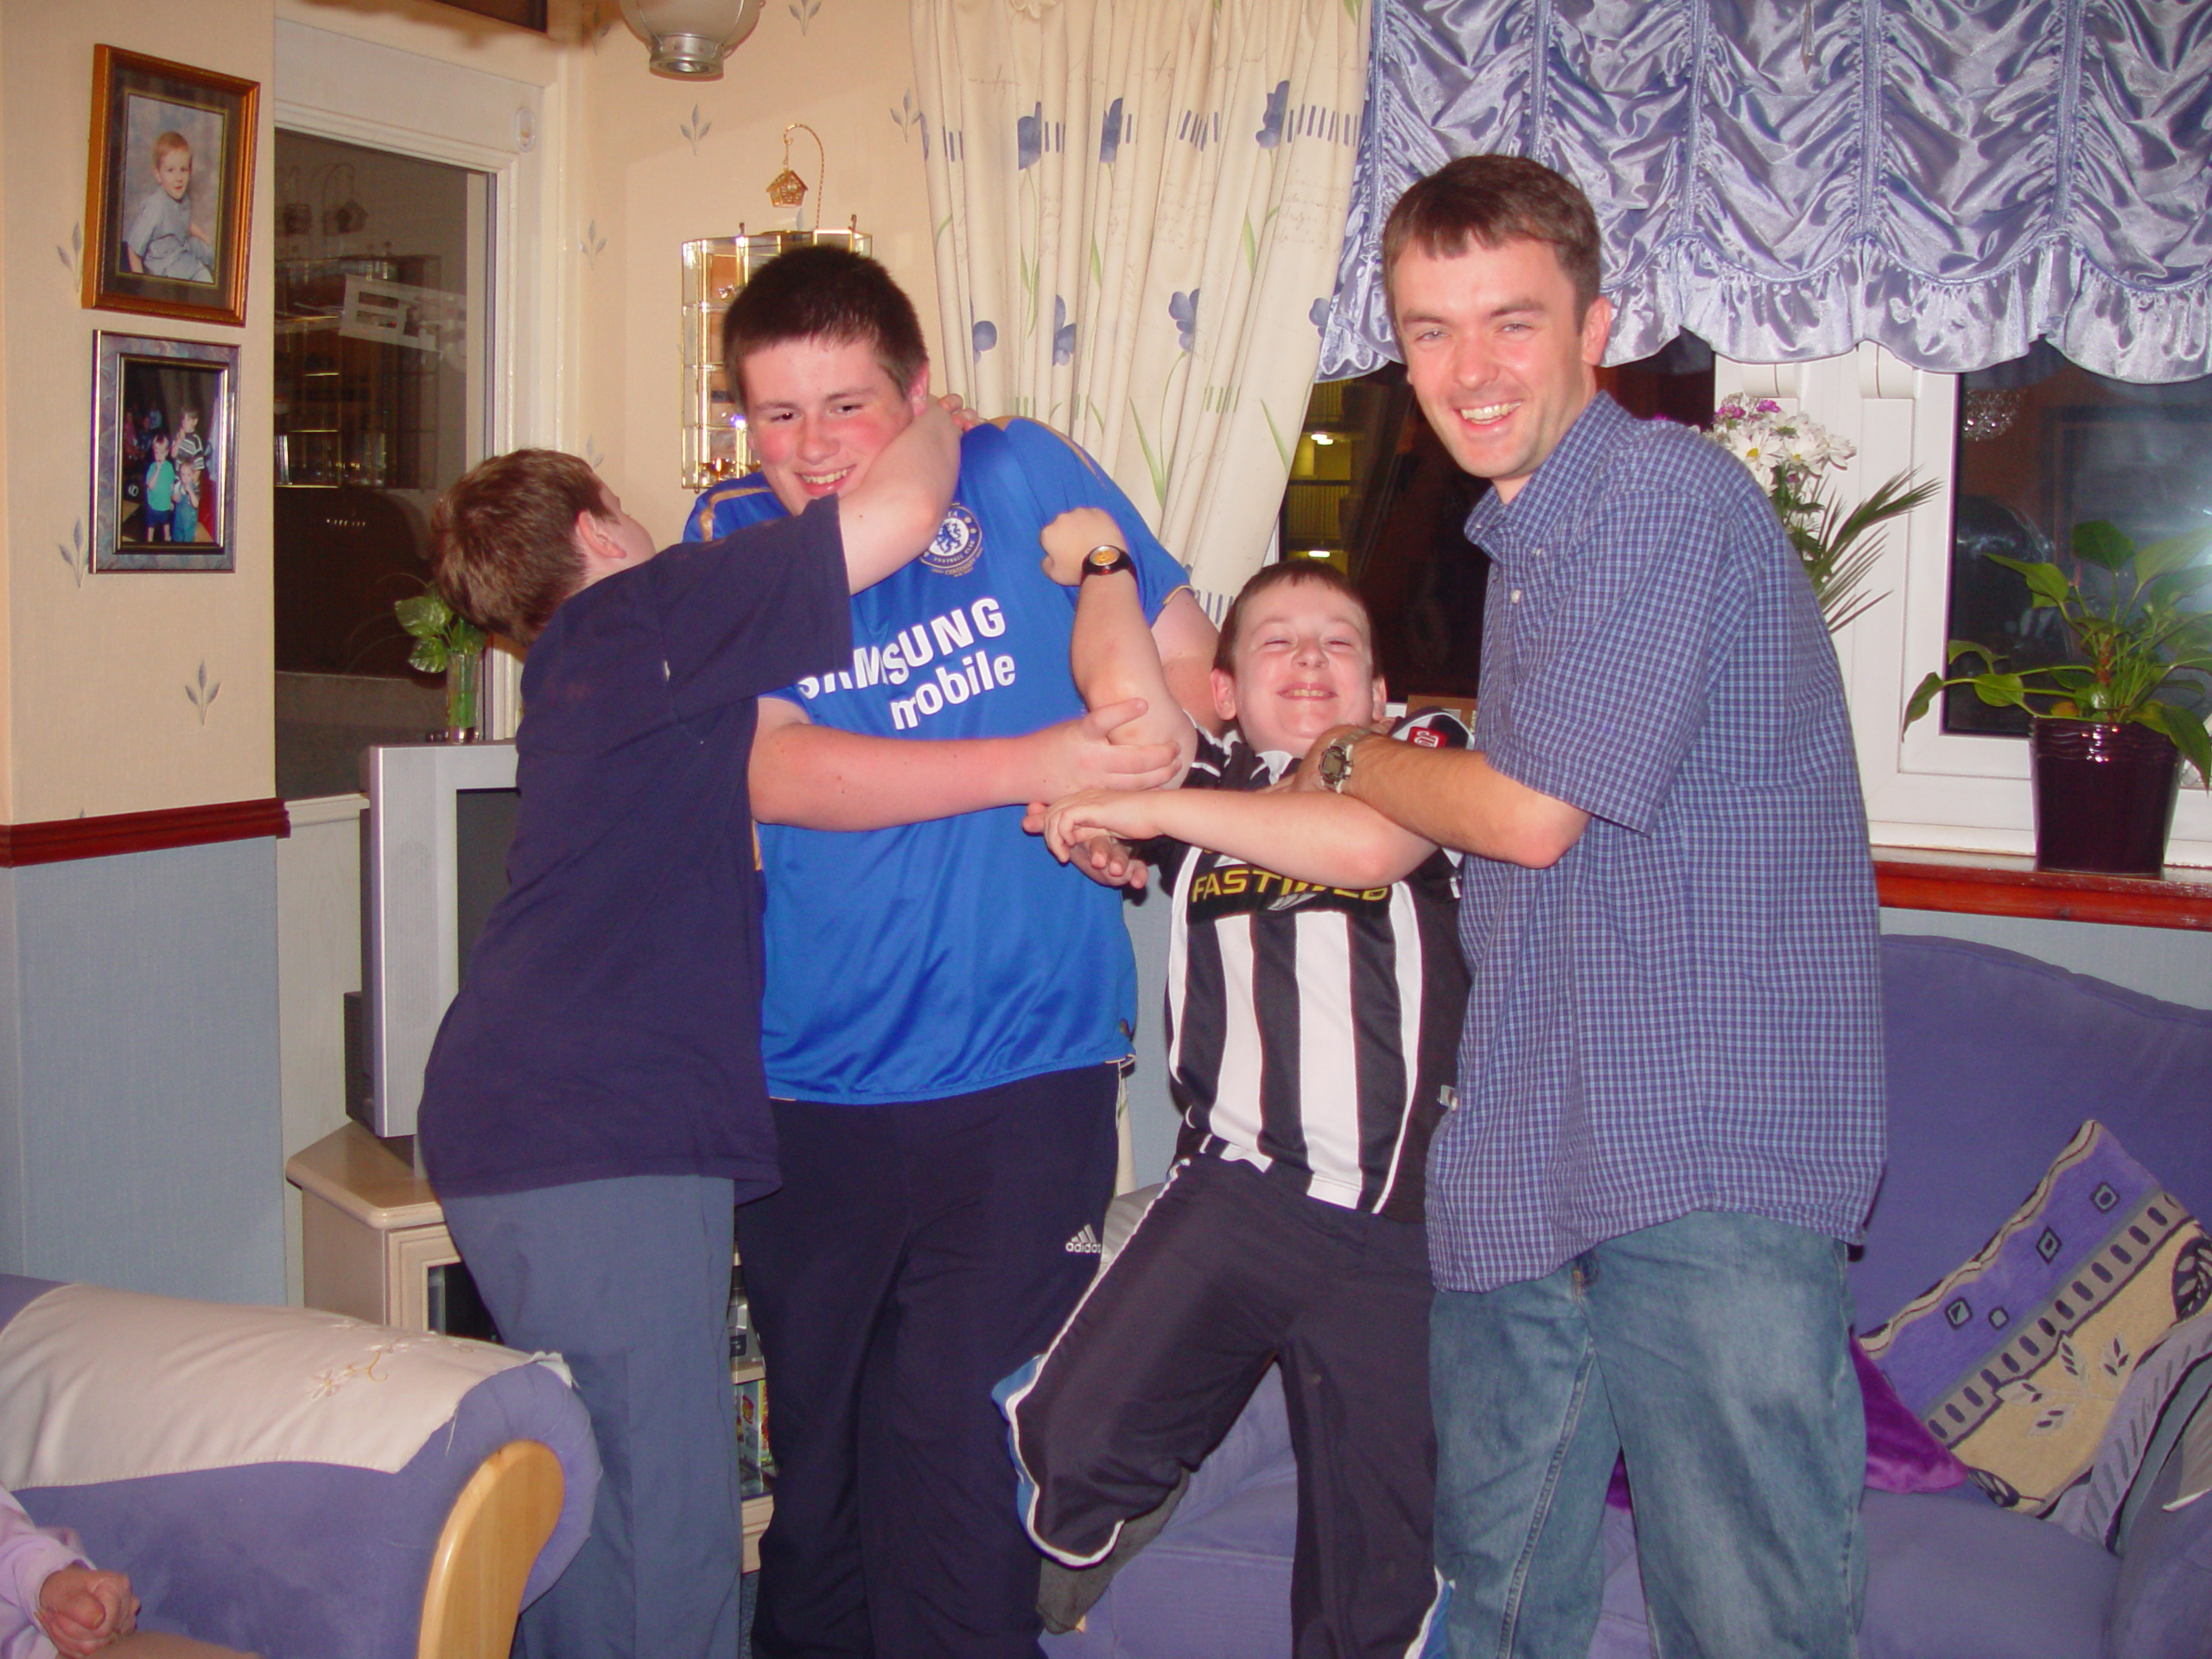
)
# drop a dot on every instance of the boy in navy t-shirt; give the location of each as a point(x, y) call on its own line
point(594, 1105)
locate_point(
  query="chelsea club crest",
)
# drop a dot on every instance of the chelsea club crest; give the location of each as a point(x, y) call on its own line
point(956, 546)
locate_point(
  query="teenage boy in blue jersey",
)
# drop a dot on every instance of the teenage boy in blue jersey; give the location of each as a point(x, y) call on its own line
point(946, 1005)
point(593, 1105)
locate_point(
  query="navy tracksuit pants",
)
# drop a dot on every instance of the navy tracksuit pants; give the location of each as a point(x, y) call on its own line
point(914, 1256)
point(1228, 1273)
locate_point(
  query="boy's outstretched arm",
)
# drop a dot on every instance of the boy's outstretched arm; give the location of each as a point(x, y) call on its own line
point(819, 778)
point(1324, 838)
point(892, 513)
point(1112, 653)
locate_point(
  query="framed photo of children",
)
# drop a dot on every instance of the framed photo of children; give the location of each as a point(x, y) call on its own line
point(171, 191)
point(164, 454)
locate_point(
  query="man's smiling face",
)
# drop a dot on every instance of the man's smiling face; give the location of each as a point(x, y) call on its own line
point(820, 412)
point(1495, 354)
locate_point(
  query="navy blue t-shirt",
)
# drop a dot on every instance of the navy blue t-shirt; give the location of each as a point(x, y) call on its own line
point(608, 1024)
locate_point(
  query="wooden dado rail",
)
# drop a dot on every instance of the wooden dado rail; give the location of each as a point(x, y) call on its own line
point(116, 833)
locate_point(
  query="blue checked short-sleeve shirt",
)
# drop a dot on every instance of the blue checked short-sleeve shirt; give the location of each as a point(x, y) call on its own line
point(1683, 1013)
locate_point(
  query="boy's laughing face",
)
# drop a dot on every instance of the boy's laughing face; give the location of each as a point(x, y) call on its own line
point(1304, 661)
point(820, 412)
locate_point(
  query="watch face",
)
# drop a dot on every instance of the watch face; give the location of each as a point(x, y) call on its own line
point(1106, 558)
point(1336, 764)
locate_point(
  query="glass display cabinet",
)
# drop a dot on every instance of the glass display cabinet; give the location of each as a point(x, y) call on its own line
point(714, 442)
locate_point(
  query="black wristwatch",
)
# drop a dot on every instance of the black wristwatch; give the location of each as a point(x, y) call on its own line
point(1104, 559)
point(1335, 765)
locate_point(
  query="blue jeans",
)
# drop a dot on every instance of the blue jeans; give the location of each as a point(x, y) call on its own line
point(1712, 1351)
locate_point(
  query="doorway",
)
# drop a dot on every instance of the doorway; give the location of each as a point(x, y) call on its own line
point(383, 373)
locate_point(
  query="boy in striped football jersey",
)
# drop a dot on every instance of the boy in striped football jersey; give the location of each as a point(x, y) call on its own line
point(1315, 995)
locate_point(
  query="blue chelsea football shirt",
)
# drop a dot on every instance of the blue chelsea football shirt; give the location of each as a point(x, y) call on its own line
point(936, 959)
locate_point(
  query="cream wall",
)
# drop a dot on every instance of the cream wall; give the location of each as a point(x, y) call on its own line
point(640, 186)
point(96, 718)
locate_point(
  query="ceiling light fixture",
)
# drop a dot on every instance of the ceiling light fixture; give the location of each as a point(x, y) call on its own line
point(691, 38)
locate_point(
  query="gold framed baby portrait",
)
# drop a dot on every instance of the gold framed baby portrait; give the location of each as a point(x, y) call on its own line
point(170, 196)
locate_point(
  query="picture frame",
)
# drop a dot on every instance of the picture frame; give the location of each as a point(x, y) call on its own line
point(168, 202)
point(165, 485)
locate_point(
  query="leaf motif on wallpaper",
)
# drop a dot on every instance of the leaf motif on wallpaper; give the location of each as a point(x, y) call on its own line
point(906, 115)
point(69, 255)
point(592, 454)
point(596, 23)
point(698, 127)
point(805, 11)
point(204, 694)
point(591, 242)
point(73, 554)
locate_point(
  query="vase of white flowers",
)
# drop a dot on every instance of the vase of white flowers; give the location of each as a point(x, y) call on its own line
point(1789, 454)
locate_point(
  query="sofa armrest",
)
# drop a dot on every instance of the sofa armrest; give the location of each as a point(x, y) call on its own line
point(2162, 1606)
point(282, 1480)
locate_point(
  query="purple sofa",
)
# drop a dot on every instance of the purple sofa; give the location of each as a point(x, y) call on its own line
point(293, 1483)
point(1995, 1061)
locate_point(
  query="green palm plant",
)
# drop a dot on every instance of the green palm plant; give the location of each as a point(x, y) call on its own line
point(2136, 644)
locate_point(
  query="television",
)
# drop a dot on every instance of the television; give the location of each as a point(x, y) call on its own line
point(433, 858)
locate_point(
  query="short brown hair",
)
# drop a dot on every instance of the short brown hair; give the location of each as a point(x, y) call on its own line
point(829, 292)
point(1319, 572)
point(1494, 199)
point(503, 540)
point(164, 143)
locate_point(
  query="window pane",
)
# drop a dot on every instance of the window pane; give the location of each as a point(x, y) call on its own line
point(2044, 446)
point(1374, 491)
point(382, 271)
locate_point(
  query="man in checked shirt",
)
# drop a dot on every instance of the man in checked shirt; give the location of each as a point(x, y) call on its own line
point(1670, 1116)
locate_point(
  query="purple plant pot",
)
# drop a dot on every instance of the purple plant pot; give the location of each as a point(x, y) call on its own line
point(2104, 796)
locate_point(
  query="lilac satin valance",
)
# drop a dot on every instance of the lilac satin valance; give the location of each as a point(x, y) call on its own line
point(1953, 180)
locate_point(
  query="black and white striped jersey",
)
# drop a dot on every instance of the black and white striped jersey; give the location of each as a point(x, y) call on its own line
point(1311, 1030)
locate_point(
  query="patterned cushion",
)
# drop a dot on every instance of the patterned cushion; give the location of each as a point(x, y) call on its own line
point(2016, 1360)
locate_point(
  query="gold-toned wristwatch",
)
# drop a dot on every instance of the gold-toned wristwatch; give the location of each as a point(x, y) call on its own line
point(1335, 765)
point(1105, 559)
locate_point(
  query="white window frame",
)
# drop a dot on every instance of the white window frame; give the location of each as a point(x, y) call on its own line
point(360, 91)
point(1923, 788)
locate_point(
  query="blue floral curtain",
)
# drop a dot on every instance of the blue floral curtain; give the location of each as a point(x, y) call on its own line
point(1955, 181)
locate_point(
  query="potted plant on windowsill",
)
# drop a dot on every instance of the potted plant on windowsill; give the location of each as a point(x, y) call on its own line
point(2109, 734)
point(1789, 454)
